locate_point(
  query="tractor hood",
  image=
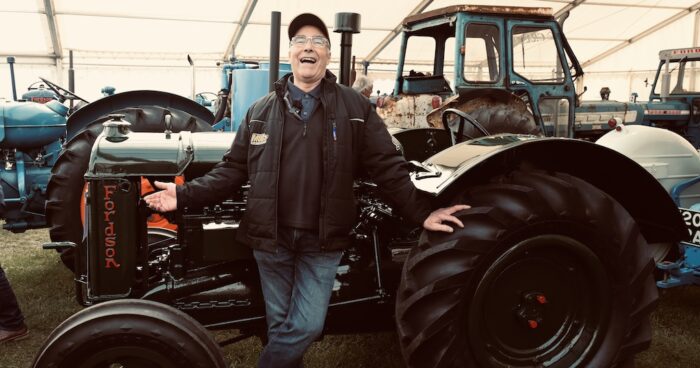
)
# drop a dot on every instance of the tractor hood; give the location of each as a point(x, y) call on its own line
point(156, 154)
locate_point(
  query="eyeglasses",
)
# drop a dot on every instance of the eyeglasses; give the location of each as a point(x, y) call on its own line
point(316, 41)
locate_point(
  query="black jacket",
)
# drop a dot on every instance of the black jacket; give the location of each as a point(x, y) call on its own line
point(360, 142)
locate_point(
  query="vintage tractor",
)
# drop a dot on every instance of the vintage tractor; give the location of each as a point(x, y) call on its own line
point(534, 277)
point(33, 132)
point(514, 71)
point(553, 267)
point(514, 67)
point(674, 100)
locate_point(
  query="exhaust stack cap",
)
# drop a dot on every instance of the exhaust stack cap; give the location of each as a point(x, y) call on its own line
point(116, 129)
point(347, 22)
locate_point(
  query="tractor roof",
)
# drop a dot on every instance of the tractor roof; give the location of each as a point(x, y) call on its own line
point(677, 54)
point(479, 9)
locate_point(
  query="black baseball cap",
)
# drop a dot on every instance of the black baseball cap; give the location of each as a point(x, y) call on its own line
point(306, 19)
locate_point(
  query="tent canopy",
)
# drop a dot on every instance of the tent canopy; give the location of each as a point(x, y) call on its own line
point(136, 44)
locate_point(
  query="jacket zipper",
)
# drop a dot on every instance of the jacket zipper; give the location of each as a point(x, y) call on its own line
point(326, 171)
point(277, 177)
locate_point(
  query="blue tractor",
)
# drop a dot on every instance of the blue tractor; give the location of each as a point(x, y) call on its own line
point(36, 178)
point(516, 72)
point(513, 71)
point(242, 82)
point(674, 101)
point(31, 133)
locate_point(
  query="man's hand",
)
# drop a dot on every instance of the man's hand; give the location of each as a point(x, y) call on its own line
point(434, 222)
point(164, 200)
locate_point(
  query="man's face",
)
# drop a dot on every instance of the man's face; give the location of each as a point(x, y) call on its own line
point(309, 61)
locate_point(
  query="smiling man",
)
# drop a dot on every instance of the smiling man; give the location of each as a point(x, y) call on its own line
point(301, 147)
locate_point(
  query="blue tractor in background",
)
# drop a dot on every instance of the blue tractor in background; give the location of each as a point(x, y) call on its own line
point(674, 100)
point(34, 131)
point(513, 71)
point(517, 73)
point(242, 82)
point(31, 133)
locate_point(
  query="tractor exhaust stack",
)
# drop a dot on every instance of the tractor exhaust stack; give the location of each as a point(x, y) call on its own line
point(274, 48)
point(11, 61)
point(346, 24)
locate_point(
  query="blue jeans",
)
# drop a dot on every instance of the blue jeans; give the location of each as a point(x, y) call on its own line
point(297, 282)
point(11, 318)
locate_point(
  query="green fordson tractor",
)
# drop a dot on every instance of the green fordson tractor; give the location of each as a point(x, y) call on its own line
point(553, 267)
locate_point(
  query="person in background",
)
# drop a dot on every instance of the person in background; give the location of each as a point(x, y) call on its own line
point(301, 147)
point(363, 85)
point(12, 325)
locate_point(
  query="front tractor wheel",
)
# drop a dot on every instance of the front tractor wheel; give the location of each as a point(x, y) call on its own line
point(547, 271)
point(130, 333)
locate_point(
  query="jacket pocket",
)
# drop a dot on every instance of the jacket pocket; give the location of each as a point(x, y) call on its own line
point(258, 141)
point(257, 126)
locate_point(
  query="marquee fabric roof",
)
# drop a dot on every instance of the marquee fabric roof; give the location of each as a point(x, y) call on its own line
point(143, 44)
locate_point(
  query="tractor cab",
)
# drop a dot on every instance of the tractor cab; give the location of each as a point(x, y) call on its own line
point(674, 102)
point(676, 76)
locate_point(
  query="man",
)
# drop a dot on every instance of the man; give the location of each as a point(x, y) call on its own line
point(363, 85)
point(301, 147)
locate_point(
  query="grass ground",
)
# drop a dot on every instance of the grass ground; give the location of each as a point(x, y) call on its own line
point(45, 292)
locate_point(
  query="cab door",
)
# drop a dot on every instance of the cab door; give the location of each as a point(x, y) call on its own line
point(538, 69)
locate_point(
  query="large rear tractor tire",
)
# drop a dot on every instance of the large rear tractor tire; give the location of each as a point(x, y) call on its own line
point(130, 333)
point(65, 188)
point(548, 271)
point(497, 113)
point(502, 118)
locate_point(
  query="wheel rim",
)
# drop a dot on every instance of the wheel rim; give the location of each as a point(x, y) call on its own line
point(543, 302)
point(127, 357)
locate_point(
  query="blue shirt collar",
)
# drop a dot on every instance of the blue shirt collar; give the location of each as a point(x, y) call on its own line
point(302, 104)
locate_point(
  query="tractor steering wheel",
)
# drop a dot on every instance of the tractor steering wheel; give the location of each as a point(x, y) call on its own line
point(460, 130)
point(62, 93)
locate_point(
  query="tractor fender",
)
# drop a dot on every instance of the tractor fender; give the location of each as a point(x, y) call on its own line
point(91, 112)
point(476, 161)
